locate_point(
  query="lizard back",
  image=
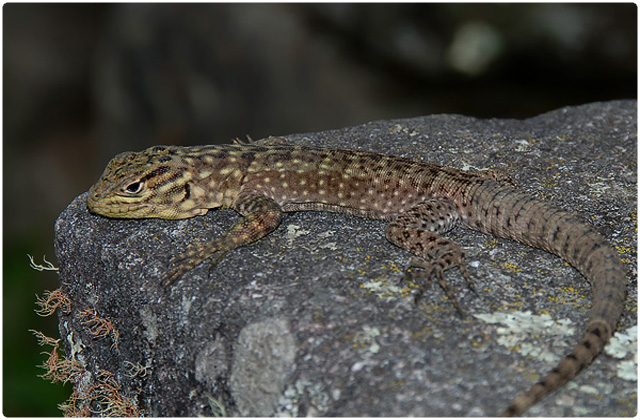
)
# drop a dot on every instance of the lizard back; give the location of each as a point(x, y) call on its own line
point(188, 181)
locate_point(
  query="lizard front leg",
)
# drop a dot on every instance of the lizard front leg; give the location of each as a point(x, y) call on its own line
point(261, 215)
point(417, 230)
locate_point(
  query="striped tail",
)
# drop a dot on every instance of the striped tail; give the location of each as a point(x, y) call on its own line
point(505, 212)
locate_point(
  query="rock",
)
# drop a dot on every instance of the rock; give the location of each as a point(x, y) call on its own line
point(313, 320)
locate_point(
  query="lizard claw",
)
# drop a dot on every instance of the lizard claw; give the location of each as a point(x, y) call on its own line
point(195, 255)
point(217, 257)
point(174, 273)
point(432, 271)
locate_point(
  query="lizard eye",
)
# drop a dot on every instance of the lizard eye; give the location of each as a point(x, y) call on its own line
point(134, 187)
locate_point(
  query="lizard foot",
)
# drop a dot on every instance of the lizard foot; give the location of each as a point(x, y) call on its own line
point(434, 269)
point(195, 255)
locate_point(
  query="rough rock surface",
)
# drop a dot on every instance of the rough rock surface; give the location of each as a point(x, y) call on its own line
point(312, 320)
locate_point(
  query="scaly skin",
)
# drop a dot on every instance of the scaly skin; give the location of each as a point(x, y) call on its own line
point(420, 201)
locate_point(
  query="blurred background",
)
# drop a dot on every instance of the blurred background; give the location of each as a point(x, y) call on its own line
point(82, 82)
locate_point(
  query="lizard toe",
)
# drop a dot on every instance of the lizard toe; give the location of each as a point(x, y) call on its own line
point(426, 272)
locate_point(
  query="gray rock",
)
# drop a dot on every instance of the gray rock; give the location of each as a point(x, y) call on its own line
point(263, 362)
point(312, 319)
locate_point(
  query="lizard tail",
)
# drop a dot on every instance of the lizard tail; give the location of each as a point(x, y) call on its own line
point(508, 213)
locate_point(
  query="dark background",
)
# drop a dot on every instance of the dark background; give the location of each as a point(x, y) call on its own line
point(84, 82)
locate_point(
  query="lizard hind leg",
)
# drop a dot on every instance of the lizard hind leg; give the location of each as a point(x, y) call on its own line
point(417, 230)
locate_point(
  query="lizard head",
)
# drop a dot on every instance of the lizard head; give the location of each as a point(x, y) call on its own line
point(151, 183)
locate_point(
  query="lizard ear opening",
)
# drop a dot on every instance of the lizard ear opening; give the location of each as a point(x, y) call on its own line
point(187, 192)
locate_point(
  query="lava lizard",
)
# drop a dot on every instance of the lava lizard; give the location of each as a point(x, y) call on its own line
point(420, 201)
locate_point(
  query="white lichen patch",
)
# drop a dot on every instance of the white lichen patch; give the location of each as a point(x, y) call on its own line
point(624, 345)
point(589, 389)
point(150, 323)
point(365, 339)
point(76, 346)
point(383, 289)
point(520, 327)
point(522, 146)
point(326, 234)
point(599, 188)
point(306, 395)
point(627, 370)
point(294, 232)
point(330, 245)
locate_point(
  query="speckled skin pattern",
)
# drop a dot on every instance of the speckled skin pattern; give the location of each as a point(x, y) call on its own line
point(420, 201)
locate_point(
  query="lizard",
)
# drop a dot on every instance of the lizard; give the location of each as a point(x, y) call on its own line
point(420, 202)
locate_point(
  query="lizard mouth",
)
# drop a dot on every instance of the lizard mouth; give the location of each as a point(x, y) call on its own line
point(115, 209)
